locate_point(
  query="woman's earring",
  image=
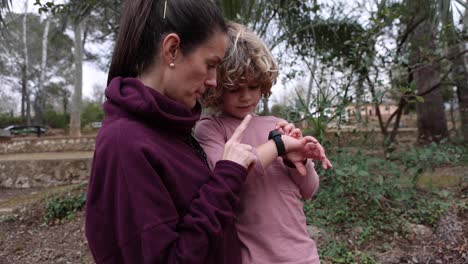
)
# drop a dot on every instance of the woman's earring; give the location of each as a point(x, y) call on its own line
point(172, 65)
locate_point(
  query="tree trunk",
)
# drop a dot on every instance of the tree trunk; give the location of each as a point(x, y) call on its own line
point(310, 86)
point(452, 114)
point(65, 101)
point(28, 108)
point(460, 78)
point(75, 119)
point(39, 103)
point(431, 120)
point(359, 102)
point(25, 105)
point(462, 85)
point(266, 110)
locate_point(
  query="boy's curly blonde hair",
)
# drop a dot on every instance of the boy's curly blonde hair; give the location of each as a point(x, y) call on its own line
point(247, 60)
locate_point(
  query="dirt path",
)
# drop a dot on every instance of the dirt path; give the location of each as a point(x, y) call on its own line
point(27, 240)
point(47, 156)
point(24, 236)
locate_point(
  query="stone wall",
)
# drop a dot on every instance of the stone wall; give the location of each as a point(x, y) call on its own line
point(47, 144)
point(87, 143)
point(52, 161)
point(45, 161)
point(43, 173)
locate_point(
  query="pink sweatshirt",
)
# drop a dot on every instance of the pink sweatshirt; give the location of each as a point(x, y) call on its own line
point(271, 223)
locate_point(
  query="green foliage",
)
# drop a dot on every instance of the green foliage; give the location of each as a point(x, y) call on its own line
point(64, 207)
point(319, 126)
point(7, 120)
point(426, 211)
point(278, 110)
point(285, 112)
point(417, 159)
point(92, 112)
point(56, 119)
point(356, 191)
point(73, 7)
point(260, 15)
point(368, 197)
point(337, 253)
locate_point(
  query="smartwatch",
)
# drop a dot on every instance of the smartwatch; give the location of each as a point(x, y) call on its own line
point(276, 136)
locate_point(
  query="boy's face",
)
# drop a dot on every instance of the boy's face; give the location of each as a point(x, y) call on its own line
point(242, 101)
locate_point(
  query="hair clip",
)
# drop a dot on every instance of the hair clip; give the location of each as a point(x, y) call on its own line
point(165, 7)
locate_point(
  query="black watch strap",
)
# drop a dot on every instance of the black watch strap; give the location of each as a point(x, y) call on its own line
point(291, 165)
point(276, 136)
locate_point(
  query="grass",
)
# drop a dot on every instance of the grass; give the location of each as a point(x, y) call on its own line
point(42, 194)
point(64, 207)
point(369, 198)
point(59, 203)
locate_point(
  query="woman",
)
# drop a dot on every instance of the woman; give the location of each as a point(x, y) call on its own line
point(152, 197)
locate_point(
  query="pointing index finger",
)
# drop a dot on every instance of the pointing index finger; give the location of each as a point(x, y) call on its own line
point(237, 135)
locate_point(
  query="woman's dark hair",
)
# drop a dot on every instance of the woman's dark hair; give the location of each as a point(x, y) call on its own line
point(143, 26)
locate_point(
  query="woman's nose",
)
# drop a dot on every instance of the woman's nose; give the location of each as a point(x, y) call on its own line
point(211, 81)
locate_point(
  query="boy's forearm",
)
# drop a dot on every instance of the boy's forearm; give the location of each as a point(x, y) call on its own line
point(267, 153)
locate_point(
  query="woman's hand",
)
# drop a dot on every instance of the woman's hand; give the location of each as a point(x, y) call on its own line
point(236, 151)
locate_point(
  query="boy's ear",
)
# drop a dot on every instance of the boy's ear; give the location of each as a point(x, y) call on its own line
point(170, 48)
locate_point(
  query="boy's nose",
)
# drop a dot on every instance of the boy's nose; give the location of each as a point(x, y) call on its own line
point(246, 95)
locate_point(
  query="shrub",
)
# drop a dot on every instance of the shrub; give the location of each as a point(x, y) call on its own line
point(377, 196)
point(56, 119)
point(336, 252)
point(92, 112)
point(417, 159)
point(7, 120)
point(64, 207)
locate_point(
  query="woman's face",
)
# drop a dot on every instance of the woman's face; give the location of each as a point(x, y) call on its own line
point(196, 71)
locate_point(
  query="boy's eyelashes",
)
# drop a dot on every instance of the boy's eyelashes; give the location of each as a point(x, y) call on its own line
point(250, 87)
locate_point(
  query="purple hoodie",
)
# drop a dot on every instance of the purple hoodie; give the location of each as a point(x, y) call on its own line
point(151, 198)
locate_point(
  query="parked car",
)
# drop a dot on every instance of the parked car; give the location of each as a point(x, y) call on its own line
point(18, 130)
point(5, 134)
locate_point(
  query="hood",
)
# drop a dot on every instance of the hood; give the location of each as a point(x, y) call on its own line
point(130, 97)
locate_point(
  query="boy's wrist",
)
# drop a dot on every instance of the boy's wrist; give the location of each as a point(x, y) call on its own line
point(276, 137)
point(289, 163)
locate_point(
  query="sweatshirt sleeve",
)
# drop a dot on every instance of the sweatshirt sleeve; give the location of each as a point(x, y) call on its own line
point(132, 198)
point(189, 239)
point(309, 184)
point(211, 137)
point(168, 237)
